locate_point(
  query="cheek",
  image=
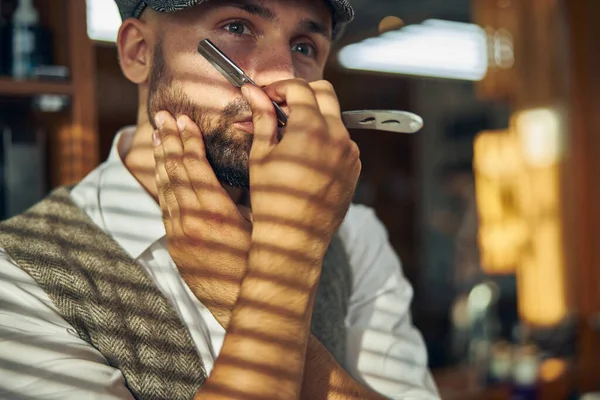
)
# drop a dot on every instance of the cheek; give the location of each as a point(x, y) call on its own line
point(202, 83)
point(193, 73)
point(212, 99)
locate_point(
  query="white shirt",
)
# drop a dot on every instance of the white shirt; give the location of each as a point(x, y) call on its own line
point(41, 356)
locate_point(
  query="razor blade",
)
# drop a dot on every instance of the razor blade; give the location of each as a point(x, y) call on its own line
point(232, 72)
point(384, 120)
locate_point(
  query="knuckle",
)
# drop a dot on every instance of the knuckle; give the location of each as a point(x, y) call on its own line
point(341, 144)
point(188, 135)
point(189, 226)
point(178, 185)
point(299, 84)
point(166, 188)
point(323, 85)
point(190, 160)
point(167, 132)
point(354, 158)
point(165, 216)
point(354, 150)
point(212, 221)
point(316, 126)
point(172, 167)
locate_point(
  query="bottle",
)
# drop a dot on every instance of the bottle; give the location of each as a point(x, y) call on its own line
point(526, 374)
point(500, 368)
point(25, 22)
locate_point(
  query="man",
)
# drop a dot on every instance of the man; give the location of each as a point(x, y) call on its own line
point(213, 255)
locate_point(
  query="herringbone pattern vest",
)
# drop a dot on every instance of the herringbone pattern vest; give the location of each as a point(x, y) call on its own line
point(114, 306)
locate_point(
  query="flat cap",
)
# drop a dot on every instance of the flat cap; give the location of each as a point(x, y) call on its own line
point(342, 11)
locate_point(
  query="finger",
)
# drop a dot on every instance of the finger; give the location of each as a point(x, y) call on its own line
point(194, 154)
point(209, 193)
point(326, 98)
point(264, 120)
point(292, 92)
point(330, 108)
point(181, 197)
point(159, 191)
point(166, 198)
point(299, 98)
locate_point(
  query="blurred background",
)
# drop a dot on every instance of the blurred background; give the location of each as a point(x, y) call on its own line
point(493, 207)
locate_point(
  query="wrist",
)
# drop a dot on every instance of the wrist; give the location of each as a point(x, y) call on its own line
point(276, 301)
point(289, 237)
point(285, 258)
point(284, 268)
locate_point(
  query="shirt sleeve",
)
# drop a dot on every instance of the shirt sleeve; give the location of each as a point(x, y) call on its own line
point(384, 350)
point(41, 356)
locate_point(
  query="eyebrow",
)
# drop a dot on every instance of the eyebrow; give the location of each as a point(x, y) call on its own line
point(253, 9)
point(306, 24)
point(313, 26)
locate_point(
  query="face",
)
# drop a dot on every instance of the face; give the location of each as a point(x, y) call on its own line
point(269, 39)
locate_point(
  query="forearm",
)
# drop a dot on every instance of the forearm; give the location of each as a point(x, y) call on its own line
point(324, 377)
point(264, 351)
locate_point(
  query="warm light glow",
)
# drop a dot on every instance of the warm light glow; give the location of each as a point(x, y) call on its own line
point(518, 186)
point(552, 369)
point(503, 244)
point(541, 280)
point(540, 277)
point(390, 23)
point(540, 134)
point(435, 48)
point(502, 231)
point(103, 20)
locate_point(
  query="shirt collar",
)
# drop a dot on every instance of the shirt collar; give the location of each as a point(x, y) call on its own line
point(130, 214)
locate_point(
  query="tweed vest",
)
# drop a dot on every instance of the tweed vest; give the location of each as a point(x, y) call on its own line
point(114, 306)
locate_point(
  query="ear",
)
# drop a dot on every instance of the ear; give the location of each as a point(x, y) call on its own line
point(135, 45)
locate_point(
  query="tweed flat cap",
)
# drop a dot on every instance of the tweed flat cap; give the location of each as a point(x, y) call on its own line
point(342, 11)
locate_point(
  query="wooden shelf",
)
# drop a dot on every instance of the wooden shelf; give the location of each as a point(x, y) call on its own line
point(13, 87)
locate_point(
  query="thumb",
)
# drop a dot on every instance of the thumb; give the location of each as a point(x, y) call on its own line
point(263, 118)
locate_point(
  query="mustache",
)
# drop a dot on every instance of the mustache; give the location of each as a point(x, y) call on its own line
point(175, 101)
point(236, 109)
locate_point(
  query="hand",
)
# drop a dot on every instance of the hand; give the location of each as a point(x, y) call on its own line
point(207, 237)
point(306, 180)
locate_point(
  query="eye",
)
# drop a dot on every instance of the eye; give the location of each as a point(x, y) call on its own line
point(237, 28)
point(306, 49)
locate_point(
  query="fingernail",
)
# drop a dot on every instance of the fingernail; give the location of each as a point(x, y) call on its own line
point(245, 91)
point(181, 124)
point(159, 119)
point(156, 138)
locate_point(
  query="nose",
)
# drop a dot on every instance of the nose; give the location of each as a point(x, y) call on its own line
point(271, 64)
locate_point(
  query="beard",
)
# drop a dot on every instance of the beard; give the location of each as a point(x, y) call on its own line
point(227, 149)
